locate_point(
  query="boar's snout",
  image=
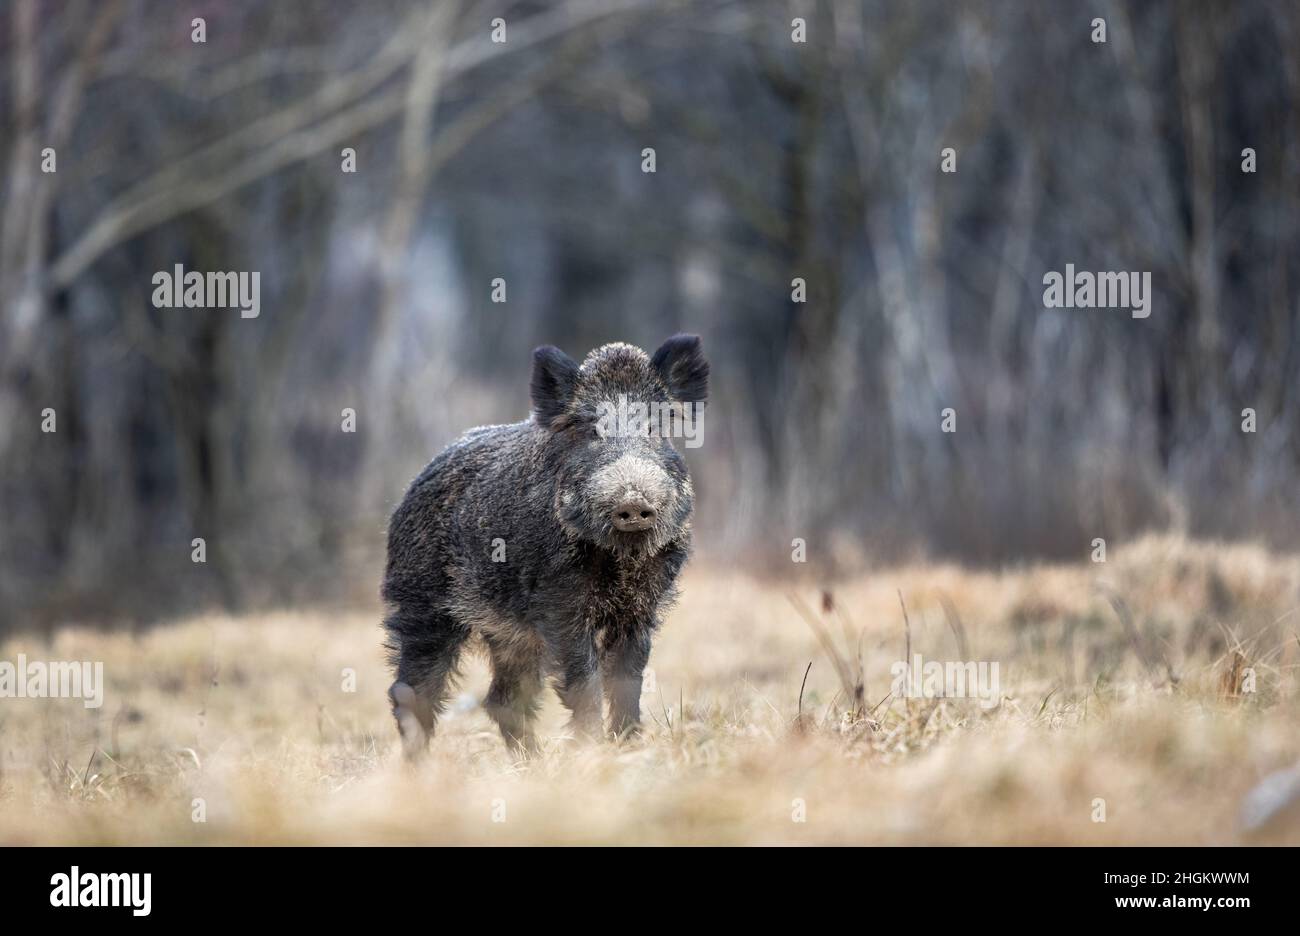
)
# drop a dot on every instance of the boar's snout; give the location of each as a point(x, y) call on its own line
point(631, 494)
point(633, 514)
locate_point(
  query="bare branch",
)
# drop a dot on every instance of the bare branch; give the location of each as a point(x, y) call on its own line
point(284, 138)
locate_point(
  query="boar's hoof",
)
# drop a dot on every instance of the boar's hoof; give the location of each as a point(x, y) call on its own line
point(414, 738)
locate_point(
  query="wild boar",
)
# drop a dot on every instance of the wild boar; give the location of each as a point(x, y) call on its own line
point(553, 542)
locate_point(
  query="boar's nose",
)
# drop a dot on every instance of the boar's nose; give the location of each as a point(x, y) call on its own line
point(633, 514)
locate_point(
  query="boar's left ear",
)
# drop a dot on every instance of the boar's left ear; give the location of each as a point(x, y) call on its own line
point(680, 363)
point(554, 377)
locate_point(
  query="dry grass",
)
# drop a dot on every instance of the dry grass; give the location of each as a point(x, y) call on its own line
point(1117, 681)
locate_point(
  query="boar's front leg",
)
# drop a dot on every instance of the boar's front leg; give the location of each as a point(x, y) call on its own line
point(512, 698)
point(624, 662)
point(579, 685)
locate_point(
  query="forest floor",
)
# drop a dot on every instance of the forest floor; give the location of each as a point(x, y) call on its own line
point(1119, 717)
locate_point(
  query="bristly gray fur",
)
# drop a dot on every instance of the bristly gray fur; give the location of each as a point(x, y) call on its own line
point(575, 598)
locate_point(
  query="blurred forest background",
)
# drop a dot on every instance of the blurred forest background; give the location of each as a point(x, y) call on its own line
point(523, 160)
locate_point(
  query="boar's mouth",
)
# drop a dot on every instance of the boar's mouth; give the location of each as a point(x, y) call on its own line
point(634, 544)
point(632, 534)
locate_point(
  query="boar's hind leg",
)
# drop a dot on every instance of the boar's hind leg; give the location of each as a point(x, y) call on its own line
point(412, 716)
point(512, 698)
point(425, 650)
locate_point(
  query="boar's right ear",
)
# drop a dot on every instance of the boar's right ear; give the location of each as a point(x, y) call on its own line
point(554, 377)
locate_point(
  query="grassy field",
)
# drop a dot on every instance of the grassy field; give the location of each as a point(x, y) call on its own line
point(1118, 682)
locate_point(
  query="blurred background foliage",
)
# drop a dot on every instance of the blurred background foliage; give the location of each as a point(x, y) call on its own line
point(522, 160)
